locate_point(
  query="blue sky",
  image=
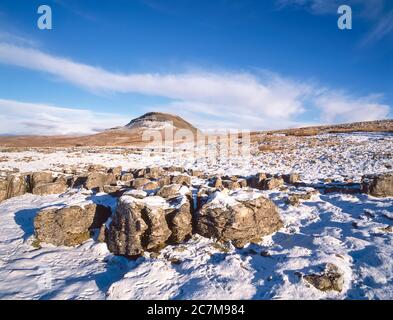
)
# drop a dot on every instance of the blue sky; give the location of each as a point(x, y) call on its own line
point(218, 63)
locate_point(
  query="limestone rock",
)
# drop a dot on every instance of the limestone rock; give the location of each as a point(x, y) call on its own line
point(256, 181)
point(126, 177)
point(230, 184)
point(272, 183)
point(378, 185)
point(291, 178)
point(15, 186)
point(238, 218)
point(179, 219)
point(69, 226)
point(57, 187)
point(39, 178)
point(148, 224)
point(116, 171)
point(138, 225)
point(170, 191)
point(331, 279)
point(181, 179)
point(150, 186)
point(138, 183)
point(97, 180)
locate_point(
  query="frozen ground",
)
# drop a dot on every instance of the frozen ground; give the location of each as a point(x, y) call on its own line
point(351, 231)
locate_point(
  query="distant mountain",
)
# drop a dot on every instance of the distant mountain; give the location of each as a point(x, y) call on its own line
point(130, 134)
point(159, 120)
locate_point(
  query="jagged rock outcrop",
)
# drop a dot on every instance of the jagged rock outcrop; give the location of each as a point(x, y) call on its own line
point(148, 224)
point(13, 186)
point(69, 226)
point(291, 178)
point(239, 217)
point(97, 180)
point(169, 191)
point(40, 178)
point(378, 185)
point(181, 179)
point(330, 279)
point(57, 187)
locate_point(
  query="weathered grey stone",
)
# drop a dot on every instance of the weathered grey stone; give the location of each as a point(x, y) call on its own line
point(150, 186)
point(217, 183)
point(170, 191)
point(97, 168)
point(331, 279)
point(148, 224)
point(3, 189)
point(149, 173)
point(138, 225)
point(164, 181)
point(69, 226)
point(291, 178)
point(240, 221)
point(97, 180)
point(138, 183)
point(179, 219)
point(230, 184)
point(256, 181)
point(181, 179)
point(116, 171)
point(378, 185)
point(17, 185)
point(57, 187)
point(128, 176)
point(40, 178)
point(272, 183)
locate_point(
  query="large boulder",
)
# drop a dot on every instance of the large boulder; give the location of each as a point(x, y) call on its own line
point(148, 224)
point(56, 187)
point(40, 178)
point(291, 178)
point(181, 179)
point(240, 217)
point(149, 173)
point(256, 181)
point(69, 226)
point(13, 186)
point(170, 191)
point(45, 187)
point(378, 185)
point(97, 180)
point(3, 189)
point(116, 171)
point(138, 183)
point(272, 183)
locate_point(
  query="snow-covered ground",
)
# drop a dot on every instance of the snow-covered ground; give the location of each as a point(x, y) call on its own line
point(350, 231)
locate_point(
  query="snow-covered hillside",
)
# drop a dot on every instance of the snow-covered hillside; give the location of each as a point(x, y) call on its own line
point(351, 231)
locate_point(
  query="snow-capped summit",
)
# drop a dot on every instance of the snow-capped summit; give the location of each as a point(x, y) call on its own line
point(158, 120)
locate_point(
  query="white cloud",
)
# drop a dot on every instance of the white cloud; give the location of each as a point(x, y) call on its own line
point(276, 97)
point(42, 119)
point(208, 99)
point(339, 107)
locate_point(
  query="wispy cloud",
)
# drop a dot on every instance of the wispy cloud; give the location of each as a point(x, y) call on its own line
point(236, 100)
point(378, 12)
point(17, 39)
point(43, 119)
